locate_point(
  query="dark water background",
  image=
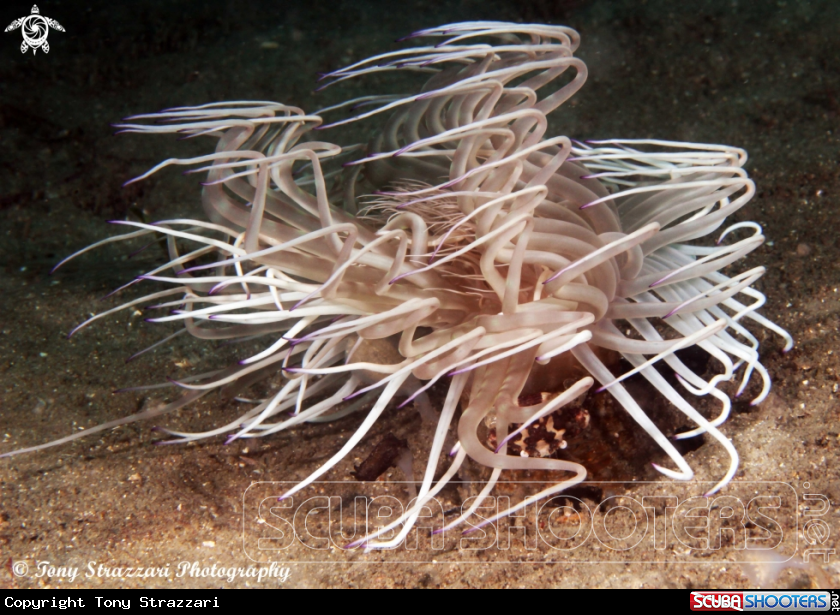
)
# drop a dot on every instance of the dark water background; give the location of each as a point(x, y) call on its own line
point(761, 75)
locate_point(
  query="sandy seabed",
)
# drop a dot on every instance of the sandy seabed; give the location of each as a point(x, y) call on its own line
point(760, 75)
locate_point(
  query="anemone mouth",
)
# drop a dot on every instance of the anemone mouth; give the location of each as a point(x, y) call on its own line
point(485, 252)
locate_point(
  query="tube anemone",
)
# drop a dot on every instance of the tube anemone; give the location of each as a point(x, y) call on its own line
point(483, 250)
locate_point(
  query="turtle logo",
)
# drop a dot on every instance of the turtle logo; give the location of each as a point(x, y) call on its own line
point(35, 28)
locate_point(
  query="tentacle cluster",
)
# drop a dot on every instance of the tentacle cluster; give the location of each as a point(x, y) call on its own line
point(485, 248)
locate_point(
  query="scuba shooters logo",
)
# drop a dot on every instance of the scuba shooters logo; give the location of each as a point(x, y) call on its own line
point(35, 29)
point(717, 601)
point(762, 601)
